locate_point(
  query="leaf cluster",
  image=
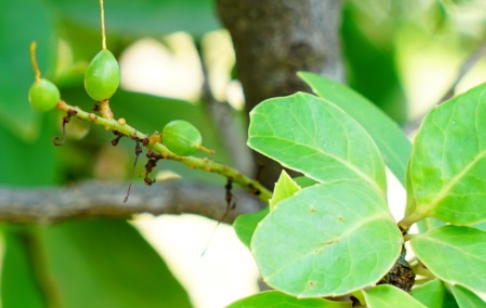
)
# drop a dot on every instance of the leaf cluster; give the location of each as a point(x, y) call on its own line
point(330, 233)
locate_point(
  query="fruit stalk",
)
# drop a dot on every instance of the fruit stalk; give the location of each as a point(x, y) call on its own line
point(103, 35)
point(33, 58)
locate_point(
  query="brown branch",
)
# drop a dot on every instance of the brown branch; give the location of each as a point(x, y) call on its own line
point(224, 116)
point(273, 40)
point(100, 199)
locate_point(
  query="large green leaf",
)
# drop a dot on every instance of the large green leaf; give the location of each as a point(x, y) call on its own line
point(276, 299)
point(466, 298)
point(125, 17)
point(393, 144)
point(371, 59)
point(24, 164)
point(456, 255)
point(448, 163)
point(387, 296)
point(22, 22)
point(433, 294)
point(108, 264)
point(328, 239)
point(313, 136)
point(20, 286)
point(29, 163)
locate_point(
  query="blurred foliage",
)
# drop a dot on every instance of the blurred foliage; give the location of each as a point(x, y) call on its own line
point(382, 38)
point(375, 34)
point(113, 265)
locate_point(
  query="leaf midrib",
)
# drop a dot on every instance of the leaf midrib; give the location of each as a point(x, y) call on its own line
point(361, 174)
point(338, 239)
point(446, 189)
point(380, 141)
point(453, 247)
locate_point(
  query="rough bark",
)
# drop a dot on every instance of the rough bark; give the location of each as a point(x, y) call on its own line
point(274, 39)
point(101, 199)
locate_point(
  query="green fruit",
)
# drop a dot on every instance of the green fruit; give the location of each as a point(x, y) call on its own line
point(181, 137)
point(44, 95)
point(102, 76)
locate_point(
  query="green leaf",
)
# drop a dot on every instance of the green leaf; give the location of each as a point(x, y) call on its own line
point(19, 285)
point(142, 18)
point(16, 163)
point(304, 181)
point(448, 163)
point(22, 22)
point(246, 224)
point(387, 296)
point(276, 299)
point(393, 144)
point(454, 254)
point(313, 136)
point(327, 240)
point(371, 60)
point(433, 294)
point(284, 188)
point(108, 264)
point(466, 298)
point(481, 226)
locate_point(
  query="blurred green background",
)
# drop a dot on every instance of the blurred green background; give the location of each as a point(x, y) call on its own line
point(403, 55)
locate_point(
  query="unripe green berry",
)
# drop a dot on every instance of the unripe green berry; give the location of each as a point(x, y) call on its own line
point(181, 137)
point(44, 95)
point(102, 76)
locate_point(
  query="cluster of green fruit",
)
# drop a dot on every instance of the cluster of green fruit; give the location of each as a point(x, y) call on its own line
point(101, 81)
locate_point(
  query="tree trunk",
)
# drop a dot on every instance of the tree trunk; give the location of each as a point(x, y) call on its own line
point(273, 40)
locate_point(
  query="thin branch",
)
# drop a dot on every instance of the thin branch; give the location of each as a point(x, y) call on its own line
point(273, 40)
point(152, 143)
point(223, 116)
point(468, 64)
point(101, 199)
